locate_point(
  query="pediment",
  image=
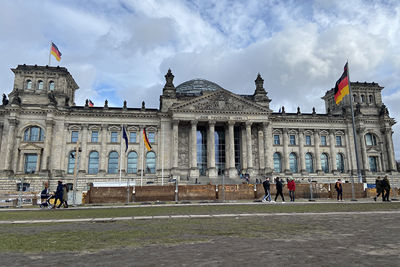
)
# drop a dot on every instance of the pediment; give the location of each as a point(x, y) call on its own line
point(373, 149)
point(30, 146)
point(220, 101)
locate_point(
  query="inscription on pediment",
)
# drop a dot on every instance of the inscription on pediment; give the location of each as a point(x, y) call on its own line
point(222, 102)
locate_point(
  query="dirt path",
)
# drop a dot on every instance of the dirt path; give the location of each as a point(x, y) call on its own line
point(352, 239)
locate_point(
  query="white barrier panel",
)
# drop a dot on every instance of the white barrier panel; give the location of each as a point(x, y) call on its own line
point(113, 184)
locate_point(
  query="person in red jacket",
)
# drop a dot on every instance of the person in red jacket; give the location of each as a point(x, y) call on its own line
point(292, 187)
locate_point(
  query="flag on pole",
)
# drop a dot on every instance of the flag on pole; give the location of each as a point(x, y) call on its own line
point(91, 104)
point(55, 52)
point(125, 136)
point(342, 86)
point(146, 140)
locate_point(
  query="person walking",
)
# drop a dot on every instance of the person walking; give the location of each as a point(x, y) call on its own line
point(339, 190)
point(292, 187)
point(266, 185)
point(65, 196)
point(379, 189)
point(385, 188)
point(58, 194)
point(44, 195)
point(279, 188)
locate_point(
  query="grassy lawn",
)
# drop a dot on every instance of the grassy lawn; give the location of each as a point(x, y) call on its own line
point(185, 210)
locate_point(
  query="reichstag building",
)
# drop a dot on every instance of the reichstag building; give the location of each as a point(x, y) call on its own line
point(200, 133)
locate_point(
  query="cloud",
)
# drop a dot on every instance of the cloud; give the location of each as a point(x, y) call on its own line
point(119, 50)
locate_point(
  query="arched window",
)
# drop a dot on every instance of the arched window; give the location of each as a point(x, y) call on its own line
point(34, 134)
point(29, 84)
point(93, 162)
point(371, 99)
point(151, 162)
point(51, 86)
point(277, 162)
point(71, 162)
point(362, 98)
point(40, 85)
point(370, 139)
point(113, 162)
point(355, 98)
point(324, 163)
point(132, 162)
point(293, 162)
point(340, 162)
point(309, 163)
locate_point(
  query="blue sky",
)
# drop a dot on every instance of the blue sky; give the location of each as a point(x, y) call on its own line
point(121, 50)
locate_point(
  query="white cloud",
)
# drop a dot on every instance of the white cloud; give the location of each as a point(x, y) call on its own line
point(122, 49)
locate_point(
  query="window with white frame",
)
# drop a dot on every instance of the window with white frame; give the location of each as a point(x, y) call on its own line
point(132, 137)
point(114, 137)
point(74, 136)
point(292, 139)
point(308, 140)
point(95, 137)
point(277, 140)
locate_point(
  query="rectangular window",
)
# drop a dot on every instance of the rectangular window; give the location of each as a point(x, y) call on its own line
point(95, 136)
point(373, 164)
point(292, 139)
point(114, 137)
point(74, 136)
point(30, 163)
point(277, 141)
point(308, 140)
point(338, 141)
point(152, 137)
point(132, 137)
point(323, 140)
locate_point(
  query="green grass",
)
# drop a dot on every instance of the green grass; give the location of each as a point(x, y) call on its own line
point(183, 210)
point(119, 235)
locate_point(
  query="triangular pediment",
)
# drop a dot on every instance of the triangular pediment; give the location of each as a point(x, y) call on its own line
point(220, 101)
point(30, 146)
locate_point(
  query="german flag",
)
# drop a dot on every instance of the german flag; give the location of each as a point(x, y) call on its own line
point(146, 140)
point(342, 86)
point(55, 52)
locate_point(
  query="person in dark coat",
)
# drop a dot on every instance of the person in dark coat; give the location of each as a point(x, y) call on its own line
point(379, 189)
point(279, 188)
point(339, 190)
point(59, 194)
point(385, 189)
point(44, 195)
point(266, 185)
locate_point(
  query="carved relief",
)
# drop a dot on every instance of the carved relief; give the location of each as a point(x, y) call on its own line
point(183, 147)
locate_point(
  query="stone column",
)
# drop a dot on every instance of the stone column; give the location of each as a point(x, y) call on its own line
point(301, 151)
point(123, 161)
point(249, 148)
point(332, 150)
point(261, 156)
point(83, 157)
point(10, 144)
point(285, 156)
point(268, 147)
point(175, 143)
point(231, 146)
point(194, 171)
point(1, 134)
point(103, 149)
point(317, 153)
point(16, 155)
point(47, 145)
point(390, 150)
point(243, 148)
point(212, 172)
point(365, 164)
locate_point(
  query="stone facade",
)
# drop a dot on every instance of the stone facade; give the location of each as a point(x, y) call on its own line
point(201, 132)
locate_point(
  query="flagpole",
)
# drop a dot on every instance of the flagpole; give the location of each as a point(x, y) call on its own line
point(120, 156)
point(51, 43)
point(141, 173)
point(355, 137)
point(162, 155)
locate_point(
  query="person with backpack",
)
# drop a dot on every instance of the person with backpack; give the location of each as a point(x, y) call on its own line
point(385, 189)
point(279, 188)
point(266, 185)
point(339, 190)
point(379, 189)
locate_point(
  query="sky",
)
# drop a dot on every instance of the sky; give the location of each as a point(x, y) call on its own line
point(121, 50)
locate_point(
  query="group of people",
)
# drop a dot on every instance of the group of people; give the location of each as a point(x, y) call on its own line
point(61, 195)
point(382, 187)
point(279, 183)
